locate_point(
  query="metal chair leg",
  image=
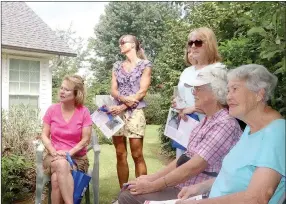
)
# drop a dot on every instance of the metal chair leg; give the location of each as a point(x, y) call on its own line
point(87, 196)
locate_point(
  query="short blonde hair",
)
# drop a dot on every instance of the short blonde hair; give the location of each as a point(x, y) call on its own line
point(79, 88)
point(208, 37)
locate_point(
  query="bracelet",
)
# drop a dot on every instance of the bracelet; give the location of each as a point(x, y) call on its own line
point(165, 181)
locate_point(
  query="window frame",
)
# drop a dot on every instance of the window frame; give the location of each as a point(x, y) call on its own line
point(8, 77)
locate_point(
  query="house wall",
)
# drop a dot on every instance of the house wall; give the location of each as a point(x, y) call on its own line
point(45, 95)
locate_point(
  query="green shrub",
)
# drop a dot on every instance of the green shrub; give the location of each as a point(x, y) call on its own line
point(153, 110)
point(18, 178)
point(20, 126)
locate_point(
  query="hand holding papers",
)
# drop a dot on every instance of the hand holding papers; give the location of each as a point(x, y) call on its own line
point(199, 197)
point(179, 130)
point(180, 102)
point(107, 123)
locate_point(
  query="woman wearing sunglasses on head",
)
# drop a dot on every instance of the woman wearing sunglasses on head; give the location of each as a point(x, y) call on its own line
point(130, 82)
point(201, 51)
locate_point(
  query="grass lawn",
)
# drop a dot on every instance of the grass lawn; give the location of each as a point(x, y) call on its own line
point(108, 182)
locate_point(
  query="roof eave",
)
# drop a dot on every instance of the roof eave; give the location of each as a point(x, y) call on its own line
point(68, 54)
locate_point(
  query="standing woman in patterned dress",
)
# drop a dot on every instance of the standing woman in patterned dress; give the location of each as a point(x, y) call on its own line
point(130, 82)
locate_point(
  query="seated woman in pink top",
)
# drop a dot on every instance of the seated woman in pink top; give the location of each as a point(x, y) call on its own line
point(66, 128)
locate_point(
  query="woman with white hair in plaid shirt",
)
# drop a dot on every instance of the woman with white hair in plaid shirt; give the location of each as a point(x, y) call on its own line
point(209, 142)
point(254, 170)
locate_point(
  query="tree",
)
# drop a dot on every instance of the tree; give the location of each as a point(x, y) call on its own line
point(169, 65)
point(62, 65)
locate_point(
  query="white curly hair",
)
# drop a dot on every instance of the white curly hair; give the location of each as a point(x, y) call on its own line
point(257, 77)
point(217, 74)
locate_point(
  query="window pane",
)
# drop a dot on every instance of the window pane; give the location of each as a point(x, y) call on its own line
point(14, 64)
point(24, 65)
point(35, 66)
point(14, 87)
point(34, 101)
point(24, 100)
point(24, 76)
point(14, 75)
point(34, 76)
point(24, 87)
point(34, 88)
point(13, 100)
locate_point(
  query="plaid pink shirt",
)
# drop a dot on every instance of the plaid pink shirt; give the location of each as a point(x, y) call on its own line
point(212, 139)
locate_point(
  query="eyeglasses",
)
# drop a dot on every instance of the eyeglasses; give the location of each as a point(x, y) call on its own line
point(198, 89)
point(122, 42)
point(198, 43)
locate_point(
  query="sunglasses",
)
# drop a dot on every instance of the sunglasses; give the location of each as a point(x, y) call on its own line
point(122, 42)
point(198, 43)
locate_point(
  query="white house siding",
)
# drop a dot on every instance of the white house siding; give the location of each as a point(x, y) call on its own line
point(45, 98)
point(5, 82)
point(45, 95)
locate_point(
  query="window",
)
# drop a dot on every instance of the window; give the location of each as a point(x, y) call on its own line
point(24, 82)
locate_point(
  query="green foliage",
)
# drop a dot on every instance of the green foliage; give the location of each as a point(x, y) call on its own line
point(62, 65)
point(153, 110)
point(243, 47)
point(15, 182)
point(169, 65)
point(20, 126)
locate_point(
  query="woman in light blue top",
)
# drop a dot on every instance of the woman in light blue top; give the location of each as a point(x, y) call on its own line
point(254, 170)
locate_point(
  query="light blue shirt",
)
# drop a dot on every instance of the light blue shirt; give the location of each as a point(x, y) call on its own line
point(265, 148)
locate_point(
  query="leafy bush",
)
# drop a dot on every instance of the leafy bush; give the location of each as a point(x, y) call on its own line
point(18, 178)
point(153, 110)
point(20, 126)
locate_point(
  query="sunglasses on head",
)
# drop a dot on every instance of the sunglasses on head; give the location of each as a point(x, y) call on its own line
point(198, 43)
point(122, 42)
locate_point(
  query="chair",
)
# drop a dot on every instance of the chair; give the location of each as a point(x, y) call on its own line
point(42, 179)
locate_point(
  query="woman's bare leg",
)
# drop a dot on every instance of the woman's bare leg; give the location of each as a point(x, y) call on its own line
point(64, 178)
point(136, 146)
point(121, 155)
point(56, 193)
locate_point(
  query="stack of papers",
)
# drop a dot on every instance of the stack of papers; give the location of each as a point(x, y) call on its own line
point(199, 197)
point(108, 125)
point(179, 130)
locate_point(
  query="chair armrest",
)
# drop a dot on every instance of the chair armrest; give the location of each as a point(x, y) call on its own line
point(95, 172)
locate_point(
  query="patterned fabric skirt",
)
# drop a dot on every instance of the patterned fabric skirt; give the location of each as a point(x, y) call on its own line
point(135, 124)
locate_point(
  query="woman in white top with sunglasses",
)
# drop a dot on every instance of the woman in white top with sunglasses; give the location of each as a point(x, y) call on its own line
point(201, 51)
